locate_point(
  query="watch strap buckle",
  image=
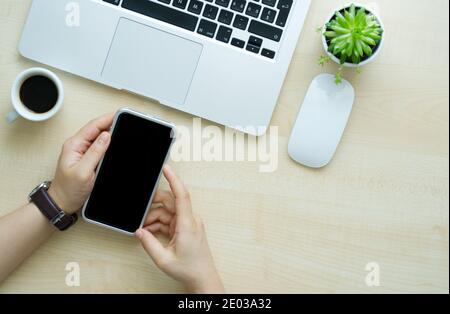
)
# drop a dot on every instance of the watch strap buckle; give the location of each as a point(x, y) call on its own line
point(57, 218)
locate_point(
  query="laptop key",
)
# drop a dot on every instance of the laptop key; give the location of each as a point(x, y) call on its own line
point(240, 22)
point(265, 30)
point(165, 1)
point(255, 41)
point(225, 17)
point(253, 9)
point(162, 13)
point(268, 15)
point(223, 3)
point(268, 53)
point(269, 2)
point(210, 12)
point(224, 34)
point(195, 6)
point(238, 5)
point(285, 4)
point(252, 48)
point(180, 4)
point(285, 8)
point(207, 28)
point(115, 2)
point(238, 43)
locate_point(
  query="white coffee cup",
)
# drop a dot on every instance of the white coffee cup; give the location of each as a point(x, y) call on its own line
point(20, 110)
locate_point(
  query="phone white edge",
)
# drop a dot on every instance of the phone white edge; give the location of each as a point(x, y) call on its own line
point(150, 118)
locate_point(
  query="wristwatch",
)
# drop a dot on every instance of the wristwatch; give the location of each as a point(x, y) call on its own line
point(57, 217)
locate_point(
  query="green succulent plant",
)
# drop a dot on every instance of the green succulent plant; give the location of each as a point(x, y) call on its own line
point(352, 36)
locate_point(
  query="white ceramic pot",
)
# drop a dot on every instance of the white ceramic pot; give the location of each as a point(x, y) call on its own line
point(370, 8)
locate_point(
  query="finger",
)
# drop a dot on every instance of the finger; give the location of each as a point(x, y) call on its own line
point(165, 198)
point(92, 130)
point(156, 205)
point(94, 154)
point(177, 187)
point(159, 214)
point(72, 151)
point(152, 246)
point(182, 199)
point(81, 141)
point(158, 227)
point(172, 227)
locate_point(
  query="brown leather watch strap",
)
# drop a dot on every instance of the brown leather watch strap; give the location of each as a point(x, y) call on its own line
point(49, 209)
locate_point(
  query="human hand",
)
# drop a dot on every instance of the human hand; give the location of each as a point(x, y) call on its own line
point(187, 258)
point(75, 173)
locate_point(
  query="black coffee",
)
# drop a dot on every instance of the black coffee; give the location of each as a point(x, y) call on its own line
point(39, 94)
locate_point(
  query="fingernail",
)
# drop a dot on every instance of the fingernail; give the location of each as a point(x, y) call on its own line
point(168, 169)
point(139, 233)
point(104, 137)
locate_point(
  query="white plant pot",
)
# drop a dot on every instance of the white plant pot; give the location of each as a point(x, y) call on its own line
point(373, 10)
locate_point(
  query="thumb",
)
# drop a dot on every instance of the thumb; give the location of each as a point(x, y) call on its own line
point(152, 246)
point(94, 154)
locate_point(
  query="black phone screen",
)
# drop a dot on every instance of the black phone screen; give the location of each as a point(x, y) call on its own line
point(129, 172)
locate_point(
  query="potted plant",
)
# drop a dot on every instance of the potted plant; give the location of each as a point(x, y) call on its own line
point(351, 37)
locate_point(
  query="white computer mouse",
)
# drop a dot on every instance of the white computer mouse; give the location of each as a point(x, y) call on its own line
point(321, 121)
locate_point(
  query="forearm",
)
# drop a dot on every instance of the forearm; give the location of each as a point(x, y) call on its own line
point(21, 232)
point(206, 281)
point(212, 286)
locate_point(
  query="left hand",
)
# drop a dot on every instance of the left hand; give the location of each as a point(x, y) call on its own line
point(75, 174)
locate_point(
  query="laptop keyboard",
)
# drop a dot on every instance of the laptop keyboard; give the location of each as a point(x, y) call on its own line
point(254, 25)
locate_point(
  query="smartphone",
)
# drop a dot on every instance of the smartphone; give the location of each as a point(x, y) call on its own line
point(128, 175)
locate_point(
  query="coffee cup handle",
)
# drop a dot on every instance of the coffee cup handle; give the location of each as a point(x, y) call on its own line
point(12, 116)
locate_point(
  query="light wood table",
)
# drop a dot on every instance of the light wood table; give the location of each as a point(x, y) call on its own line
point(383, 199)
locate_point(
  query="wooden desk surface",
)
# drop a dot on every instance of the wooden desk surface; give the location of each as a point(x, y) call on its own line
point(383, 199)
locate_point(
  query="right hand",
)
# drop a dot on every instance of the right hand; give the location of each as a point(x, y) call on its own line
point(187, 258)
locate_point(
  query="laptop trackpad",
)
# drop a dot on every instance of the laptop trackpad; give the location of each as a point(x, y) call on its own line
point(151, 62)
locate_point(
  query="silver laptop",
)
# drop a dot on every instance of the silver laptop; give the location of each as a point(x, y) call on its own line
point(222, 60)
